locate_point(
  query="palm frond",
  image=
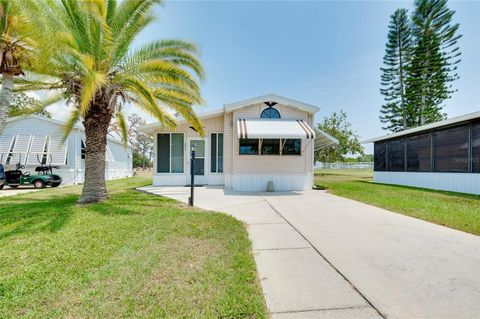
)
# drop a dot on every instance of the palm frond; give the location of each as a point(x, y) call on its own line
point(51, 100)
point(122, 124)
point(130, 19)
point(91, 83)
point(178, 52)
point(70, 124)
point(174, 101)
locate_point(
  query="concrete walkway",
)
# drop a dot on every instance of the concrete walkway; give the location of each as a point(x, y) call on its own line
point(323, 256)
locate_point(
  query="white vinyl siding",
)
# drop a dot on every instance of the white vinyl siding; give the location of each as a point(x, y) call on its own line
point(263, 164)
point(57, 151)
point(292, 172)
point(20, 149)
point(66, 155)
point(454, 182)
point(6, 141)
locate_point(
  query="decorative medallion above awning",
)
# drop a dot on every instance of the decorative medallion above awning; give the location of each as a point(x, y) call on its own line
point(254, 128)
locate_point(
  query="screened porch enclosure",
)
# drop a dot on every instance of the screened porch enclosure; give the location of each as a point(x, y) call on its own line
point(454, 149)
point(444, 155)
point(173, 153)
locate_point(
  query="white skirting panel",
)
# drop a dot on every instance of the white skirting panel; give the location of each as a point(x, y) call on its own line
point(169, 180)
point(259, 182)
point(184, 179)
point(112, 174)
point(216, 179)
point(455, 182)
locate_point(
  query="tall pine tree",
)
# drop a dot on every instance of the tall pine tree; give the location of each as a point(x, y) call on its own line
point(394, 112)
point(434, 59)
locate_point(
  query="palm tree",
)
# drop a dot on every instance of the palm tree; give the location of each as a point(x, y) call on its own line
point(15, 52)
point(91, 63)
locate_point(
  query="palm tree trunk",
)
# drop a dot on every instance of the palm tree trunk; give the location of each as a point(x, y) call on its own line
point(5, 99)
point(96, 129)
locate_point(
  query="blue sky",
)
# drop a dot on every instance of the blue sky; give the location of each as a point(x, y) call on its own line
point(323, 53)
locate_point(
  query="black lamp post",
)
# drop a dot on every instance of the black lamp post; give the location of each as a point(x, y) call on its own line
point(192, 177)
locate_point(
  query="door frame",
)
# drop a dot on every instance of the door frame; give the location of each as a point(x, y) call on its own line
point(199, 179)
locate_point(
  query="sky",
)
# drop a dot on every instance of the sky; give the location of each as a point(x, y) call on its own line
point(325, 53)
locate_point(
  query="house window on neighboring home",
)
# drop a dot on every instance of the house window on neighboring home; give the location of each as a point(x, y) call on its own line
point(248, 146)
point(170, 153)
point(82, 149)
point(270, 113)
point(270, 147)
point(292, 146)
point(216, 152)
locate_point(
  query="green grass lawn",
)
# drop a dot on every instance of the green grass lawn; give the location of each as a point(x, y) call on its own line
point(459, 211)
point(135, 256)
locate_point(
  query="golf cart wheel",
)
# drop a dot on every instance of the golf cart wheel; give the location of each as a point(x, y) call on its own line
point(55, 184)
point(1, 186)
point(39, 184)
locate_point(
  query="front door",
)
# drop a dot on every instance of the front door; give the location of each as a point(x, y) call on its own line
point(198, 145)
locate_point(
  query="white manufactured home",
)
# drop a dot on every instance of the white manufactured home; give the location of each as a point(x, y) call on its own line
point(247, 144)
point(444, 155)
point(32, 139)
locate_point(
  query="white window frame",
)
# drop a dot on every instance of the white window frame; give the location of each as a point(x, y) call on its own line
point(282, 143)
point(170, 161)
point(210, 155)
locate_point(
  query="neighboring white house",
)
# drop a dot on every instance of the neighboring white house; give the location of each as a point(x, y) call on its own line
point(30, 139)
point(443, 155)
point(246, 145)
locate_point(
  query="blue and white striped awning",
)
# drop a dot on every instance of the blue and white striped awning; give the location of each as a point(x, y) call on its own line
point(272, 128)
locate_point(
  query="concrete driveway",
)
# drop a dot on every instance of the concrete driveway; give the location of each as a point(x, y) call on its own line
point(323, 256)
point(8, 191)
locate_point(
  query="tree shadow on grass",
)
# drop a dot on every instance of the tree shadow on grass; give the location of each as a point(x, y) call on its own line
point(51, 213)
point(132, 203)
point(32, 215)
point(116, 209)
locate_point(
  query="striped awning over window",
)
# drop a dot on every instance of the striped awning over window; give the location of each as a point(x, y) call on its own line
point(272, 128)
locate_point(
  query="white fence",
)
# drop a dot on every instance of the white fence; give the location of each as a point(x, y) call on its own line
point(344, 165)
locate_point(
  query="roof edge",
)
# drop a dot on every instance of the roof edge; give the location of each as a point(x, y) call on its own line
point(447, 122)
point(58, 122)
point(275, 97)
point(328, 136)
point(151, 126)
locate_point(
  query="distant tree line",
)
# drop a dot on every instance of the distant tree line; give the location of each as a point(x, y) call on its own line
point(338, 126)
point(420, 64)
point(141, 142)
point(22, 104)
